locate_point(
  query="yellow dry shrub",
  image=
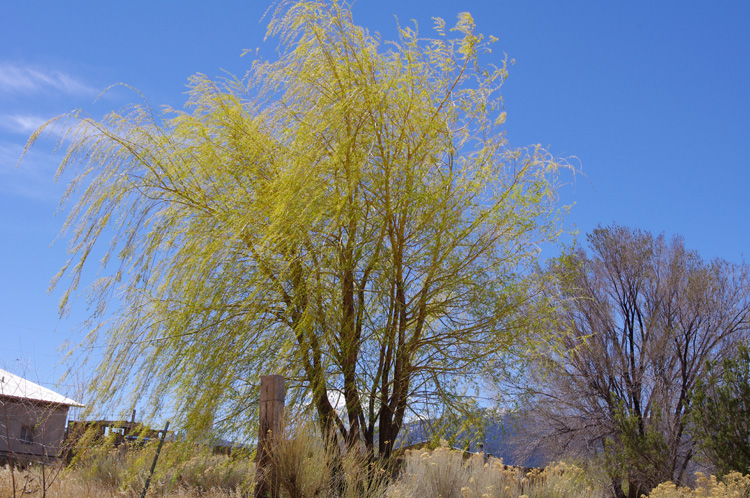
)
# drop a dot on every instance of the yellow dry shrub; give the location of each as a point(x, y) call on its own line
point(733, 485)
point(448, 474)
point(70, 484)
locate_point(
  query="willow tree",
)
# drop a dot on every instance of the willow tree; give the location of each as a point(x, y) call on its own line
point(349, 215)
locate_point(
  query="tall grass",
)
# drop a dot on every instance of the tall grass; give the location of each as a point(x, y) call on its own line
point(109, 472)
point(306, 468)
point(309, 466)
point(179, 466)
point(446, 473)
point(74, 485)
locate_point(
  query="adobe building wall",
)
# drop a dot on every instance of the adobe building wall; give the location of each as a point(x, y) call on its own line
point(31, 431)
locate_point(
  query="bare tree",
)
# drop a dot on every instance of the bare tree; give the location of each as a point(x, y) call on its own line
point(640, 317)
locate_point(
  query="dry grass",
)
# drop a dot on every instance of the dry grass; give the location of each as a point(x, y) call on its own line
point(123, 474)
point(447, 474)
point(306, 470)
point(71, 485)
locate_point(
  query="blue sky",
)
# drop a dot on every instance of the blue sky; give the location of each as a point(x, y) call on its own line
point(648, 99)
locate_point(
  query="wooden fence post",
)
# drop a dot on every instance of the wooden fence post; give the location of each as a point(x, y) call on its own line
point(272, 393)
point(156, 457)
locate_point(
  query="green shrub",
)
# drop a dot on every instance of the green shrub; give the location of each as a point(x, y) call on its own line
point(721, 413)
point(178, 467)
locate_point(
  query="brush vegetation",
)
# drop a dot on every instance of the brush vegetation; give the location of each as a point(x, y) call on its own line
point(307, 468)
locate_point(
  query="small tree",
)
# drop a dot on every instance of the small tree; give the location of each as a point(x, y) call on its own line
point(721, 413)
point(349, 216)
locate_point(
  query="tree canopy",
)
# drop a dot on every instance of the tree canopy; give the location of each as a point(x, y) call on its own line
point(349, 216)
point(641, 318)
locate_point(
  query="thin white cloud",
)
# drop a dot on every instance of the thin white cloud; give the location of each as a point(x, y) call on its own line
point(31, 179)
point(27, 79)
point(21, 123)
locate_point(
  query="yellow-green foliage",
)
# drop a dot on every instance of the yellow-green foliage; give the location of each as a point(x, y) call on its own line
point(340, 216)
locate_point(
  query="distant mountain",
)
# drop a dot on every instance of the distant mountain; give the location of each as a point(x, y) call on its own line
point(503, 438)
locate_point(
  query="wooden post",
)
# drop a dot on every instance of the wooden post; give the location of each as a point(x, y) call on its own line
point(272, 395)
point(156, 457)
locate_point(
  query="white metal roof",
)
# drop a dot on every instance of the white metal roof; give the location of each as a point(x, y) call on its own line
point(14, 386)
